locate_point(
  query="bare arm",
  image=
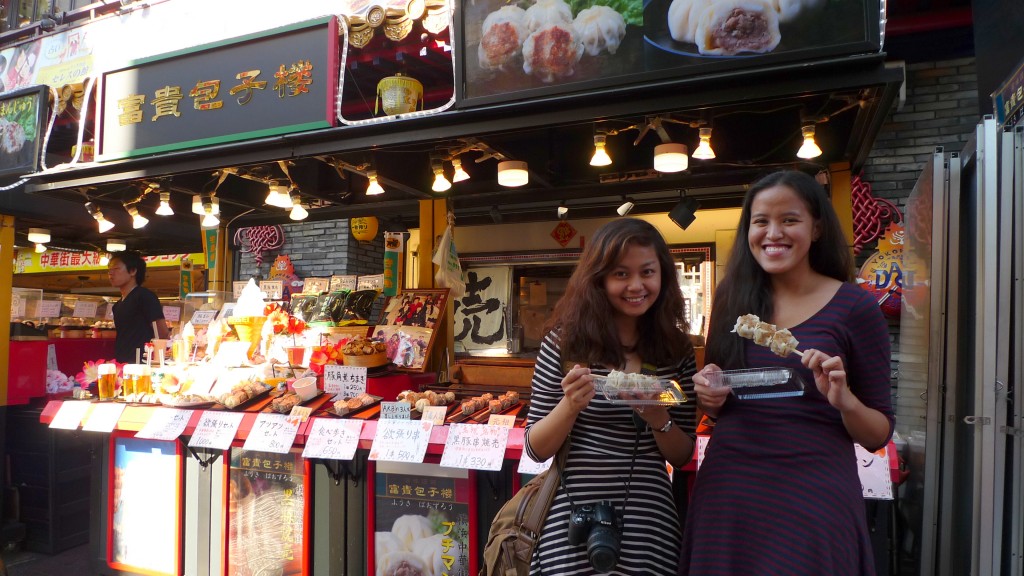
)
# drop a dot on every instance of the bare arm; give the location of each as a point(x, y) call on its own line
point(550, 432)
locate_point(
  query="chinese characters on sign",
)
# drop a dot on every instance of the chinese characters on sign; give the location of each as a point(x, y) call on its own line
point(215, 430)
point(480, 315)
point(401, 440)
point(333, 439)
point(480, 447)
point(272, 433)
point(348, 381)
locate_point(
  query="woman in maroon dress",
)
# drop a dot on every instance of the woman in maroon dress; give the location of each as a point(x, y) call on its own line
point(778, 490)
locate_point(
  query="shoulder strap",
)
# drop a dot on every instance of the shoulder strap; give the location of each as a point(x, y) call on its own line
point(531, 517)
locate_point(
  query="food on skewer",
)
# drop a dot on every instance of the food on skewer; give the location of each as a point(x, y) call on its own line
point(763, 333)
point(745, 325)
point(779, 341)
point(783, 342)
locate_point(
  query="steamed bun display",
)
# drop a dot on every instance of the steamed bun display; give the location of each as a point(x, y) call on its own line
point(502, 37)
point(431, 551)
point(600, 28)
point(412, 527)
point(730, 27)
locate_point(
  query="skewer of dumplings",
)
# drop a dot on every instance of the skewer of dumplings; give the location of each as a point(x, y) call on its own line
point(779, 340)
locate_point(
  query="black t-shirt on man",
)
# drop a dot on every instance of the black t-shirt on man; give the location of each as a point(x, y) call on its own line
point(133, 318)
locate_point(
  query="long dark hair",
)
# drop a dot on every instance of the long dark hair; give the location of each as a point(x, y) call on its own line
point(746, 288)
point(583, 315)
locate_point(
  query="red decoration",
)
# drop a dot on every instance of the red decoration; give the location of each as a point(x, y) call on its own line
point(870, 214)
point(259, 239)
point(563, 233)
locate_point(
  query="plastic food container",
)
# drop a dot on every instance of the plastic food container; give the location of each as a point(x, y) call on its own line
point(640, 390)
point(758, 383)
point(306, 388)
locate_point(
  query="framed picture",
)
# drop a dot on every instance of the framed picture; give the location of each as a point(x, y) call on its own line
point(417, 308)
point(22, 123)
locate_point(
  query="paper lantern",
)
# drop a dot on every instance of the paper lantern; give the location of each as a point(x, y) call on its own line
point(364, 228)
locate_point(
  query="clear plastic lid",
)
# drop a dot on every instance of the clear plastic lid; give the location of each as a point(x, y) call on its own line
point(639, 390)
point(757, 383)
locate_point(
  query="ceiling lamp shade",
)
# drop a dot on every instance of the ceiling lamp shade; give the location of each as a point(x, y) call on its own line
point(685, 212)
point(116, 246)
point(277, 195)
point(138, 220)
point(373, 187)
point(197, 205)
point(512, 173)
point(600, 157)
point(671, 157)
point(102, 223)
point(165, 205)
point(210, 219)
point(809, 149)
point(563, 211)
point(298, 212)
point(441, 184)
point(460, 174)
point(626, 207)
point(704, 150)
point(38, 235)
point(40, 248)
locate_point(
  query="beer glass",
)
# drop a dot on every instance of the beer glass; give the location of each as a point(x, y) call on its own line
point(107, 380)
point(144, 379)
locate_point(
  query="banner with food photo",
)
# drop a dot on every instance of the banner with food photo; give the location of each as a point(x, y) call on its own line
point(22, 117)
point(552, 46)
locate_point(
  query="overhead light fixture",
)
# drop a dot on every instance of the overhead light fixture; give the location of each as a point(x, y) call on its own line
point(104, 259)
point(38, 235)
point(704, 150)
point(138, 220)
point(298, 212)
point(197, 205)
point(460, 174)
point(210, 219)
point(441, 184)
point(495, 215)
point(373, 187)
point(626, 207)
point(809, 149)
point(165, 205)
point(685, 212)
point(277, 195)
point(513, 173)
point(563, 210)
point(116, 246)
point(97, 214)
point(600, 157)
point(671, 157)
point(215, 204)
point(40, 248)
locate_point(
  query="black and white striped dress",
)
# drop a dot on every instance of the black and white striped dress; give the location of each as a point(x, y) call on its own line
point(600, 459)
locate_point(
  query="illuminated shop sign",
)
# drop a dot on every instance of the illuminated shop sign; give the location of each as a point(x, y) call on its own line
point(260, 85)
point(1008, 100)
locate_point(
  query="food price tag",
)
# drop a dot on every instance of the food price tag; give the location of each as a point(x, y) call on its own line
point(346, 381)
point(370, 282)
point(272, 288)
point(301, 412)
point(216, 430)
point(528, 465)
point(702, 445)
point(401, 440)
point(479, 447)
point(506, 420)
point(85, 309)
point(203, 317)
point(315, 285)
point(435, 414)
point(70, 415)
point(49, 308)
point(272, 433)
point(237, 287)
point(333, 439)
point(165, 424)
point(395, 411)
point(346, 282)
point(104, 417)
point(172, 313)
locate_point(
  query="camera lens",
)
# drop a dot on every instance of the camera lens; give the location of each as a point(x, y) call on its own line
point(603, 548)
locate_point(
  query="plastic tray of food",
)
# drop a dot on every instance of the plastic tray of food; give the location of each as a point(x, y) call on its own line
point(639, 389)
point(757, 383)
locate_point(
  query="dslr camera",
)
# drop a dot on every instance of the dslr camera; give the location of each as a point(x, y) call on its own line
point(600, 526)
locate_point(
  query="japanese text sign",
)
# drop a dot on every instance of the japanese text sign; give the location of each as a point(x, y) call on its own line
point(215, 430)
point(347, 381)
point(401, 440)
point(165, 424)
point(479, 447)
point(272, 433)
point(333, 439)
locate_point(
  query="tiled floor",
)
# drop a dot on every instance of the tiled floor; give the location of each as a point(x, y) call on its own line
point(74, 561)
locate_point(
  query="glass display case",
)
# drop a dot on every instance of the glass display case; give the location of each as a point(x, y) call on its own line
point(210, 303)
point(25, 305)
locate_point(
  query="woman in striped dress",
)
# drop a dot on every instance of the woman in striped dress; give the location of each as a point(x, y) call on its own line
point(778, 490)
point(622, 310)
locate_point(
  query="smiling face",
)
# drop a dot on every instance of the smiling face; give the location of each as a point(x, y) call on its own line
point(782, 230)
point(634, 283)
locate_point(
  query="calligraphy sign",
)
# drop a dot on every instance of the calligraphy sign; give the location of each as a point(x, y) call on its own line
point(274, 82)
point(480, 314)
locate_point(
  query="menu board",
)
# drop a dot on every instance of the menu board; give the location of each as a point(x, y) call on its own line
point(266, 512)
point(145, 515)
point(425, 511)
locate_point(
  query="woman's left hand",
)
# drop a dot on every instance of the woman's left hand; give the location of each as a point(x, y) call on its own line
point(655, 415)
point(830, 379)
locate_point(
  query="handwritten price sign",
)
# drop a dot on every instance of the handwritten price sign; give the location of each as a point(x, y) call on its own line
point(347, 381)
point(216, 430)
point(474, 446)
point(272, 433)
point(333, 439)
point(401, 440)
point(203, 317)
point(165, 424)
point(394, 411)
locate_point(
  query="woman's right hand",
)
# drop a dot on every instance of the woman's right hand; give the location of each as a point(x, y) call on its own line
point(709, 399)
point(578, 387)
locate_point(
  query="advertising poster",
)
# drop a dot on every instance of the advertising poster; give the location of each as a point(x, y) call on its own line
point(145, 507)
point(21, 130)
point(266, 513)
point(422, 516)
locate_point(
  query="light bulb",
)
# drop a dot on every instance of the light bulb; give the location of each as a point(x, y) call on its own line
point(277, 195)
point(298, 212)
point(600, 157)
point(704, 150)
point(197, 205)
point(809, 149)
point(103, 224)
point(138, 220)
point(40, 248)
point(441, 184)
point(210, 219)
point(165, 205)
point(513, 173)
point(104, 259)
point(373, 187)
point(670, 157)
point(563, 210)
point(460, 174)
point(626, 207)
point(116, 246)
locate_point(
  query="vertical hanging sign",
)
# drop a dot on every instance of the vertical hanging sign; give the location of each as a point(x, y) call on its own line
point(186, 278)
point(211, 236)
point(392, 262)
